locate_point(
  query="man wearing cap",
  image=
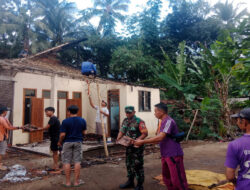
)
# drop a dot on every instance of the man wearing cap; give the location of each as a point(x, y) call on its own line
point(4, 127)
point(238, 153)
point(134, 128)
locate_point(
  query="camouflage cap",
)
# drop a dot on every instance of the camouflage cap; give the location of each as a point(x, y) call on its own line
point(129, 109)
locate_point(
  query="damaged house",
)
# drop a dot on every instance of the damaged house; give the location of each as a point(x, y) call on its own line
point(28, 85)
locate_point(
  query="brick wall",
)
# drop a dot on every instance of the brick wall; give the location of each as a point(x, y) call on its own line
point(7, 94)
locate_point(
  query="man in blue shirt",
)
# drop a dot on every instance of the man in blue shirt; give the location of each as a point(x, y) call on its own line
point(71, 136)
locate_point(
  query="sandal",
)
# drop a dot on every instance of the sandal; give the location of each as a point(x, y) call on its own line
point(81, 182)
point(67, 186)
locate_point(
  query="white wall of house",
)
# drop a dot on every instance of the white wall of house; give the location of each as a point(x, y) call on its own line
point(25, 80)
point(128, 96)
point(148, 116)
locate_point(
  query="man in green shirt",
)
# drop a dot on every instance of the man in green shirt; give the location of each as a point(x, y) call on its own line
point(134, 128)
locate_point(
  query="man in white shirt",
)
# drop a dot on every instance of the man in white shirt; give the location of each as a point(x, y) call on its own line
point(104, 114)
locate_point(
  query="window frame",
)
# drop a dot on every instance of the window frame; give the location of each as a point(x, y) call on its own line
point(76, 92)
point(46, 91)
point(67, 94)
point(144, 100)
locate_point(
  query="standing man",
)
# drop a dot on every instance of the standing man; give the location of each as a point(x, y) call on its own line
point(104, 114)
point(173, 171)
point(134, 128)
point(72, 131)
point(53, 127)
point(4, 127)
point(238, 153)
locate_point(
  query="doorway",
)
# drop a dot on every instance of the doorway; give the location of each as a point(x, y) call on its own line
point(114, 112)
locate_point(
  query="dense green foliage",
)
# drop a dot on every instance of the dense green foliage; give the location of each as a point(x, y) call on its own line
point(199, 54)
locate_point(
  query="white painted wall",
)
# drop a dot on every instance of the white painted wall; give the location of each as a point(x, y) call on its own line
point(55, 83)
point(148, 117)
point(25, 80)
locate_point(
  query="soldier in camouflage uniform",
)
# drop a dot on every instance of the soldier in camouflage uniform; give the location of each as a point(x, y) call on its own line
point(134, 128)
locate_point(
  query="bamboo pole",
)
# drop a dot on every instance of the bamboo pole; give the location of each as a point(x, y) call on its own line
point(192, 124)
point(103, 129)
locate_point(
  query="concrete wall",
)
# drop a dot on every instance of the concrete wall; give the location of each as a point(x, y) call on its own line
point(55, 84)
point(148, 117)
point(7, 90)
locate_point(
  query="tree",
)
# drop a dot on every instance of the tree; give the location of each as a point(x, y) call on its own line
point(172, 76)
point(57, 24)
point(149, 29)
point(16, 22)
point(190, 22)
point(227, 13)
point(109, 12)
point(223, 57)
point(242, 71)
point(131, 65)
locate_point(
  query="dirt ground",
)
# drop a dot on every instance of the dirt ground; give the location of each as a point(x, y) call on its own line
point(198, 155)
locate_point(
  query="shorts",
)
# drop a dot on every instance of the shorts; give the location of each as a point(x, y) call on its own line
point(3, 147)
point(99, 128)
point(53, 145)
point(72, 152)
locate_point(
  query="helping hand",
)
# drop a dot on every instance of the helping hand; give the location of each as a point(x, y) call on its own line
point(138, 142)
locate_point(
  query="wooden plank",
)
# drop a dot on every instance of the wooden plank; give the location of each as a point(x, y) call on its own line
point(37, 109)
point(103, 129)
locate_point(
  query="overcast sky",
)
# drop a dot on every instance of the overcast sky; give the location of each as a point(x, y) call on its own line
point(136, 6)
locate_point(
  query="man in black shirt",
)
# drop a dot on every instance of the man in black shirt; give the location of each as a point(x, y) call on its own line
point(53, 127)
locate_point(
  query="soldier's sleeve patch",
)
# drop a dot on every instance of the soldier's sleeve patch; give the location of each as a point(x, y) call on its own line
point(142, 127)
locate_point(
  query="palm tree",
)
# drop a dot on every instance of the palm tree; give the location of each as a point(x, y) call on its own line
point(57, 22)
point(228, 13)
point(109, 12)
point(16, 20)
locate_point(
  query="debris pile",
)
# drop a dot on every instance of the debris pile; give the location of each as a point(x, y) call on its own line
point(92, 137)
point(17, 174)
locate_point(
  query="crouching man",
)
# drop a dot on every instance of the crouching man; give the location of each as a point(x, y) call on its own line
point(238, 153)
point(134, 128)
point(71, 136)
point(173, 171)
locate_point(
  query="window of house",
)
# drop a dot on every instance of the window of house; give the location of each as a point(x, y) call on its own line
point(30, 92)
point(77, 95)
point(144, 101)
point(46, 94)
point(62, 95)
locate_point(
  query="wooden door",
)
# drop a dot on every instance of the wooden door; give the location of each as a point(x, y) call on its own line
point(76, 102)
point(37, 109)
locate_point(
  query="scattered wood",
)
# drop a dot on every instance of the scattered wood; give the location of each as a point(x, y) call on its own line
point(29, 128)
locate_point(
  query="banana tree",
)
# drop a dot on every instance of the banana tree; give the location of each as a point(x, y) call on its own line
point(223, 57)
point(175, 77)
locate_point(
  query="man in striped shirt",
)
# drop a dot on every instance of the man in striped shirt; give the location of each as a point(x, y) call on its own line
point(173, 171)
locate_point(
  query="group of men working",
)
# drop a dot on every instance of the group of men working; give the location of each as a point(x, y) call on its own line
point(69, 135)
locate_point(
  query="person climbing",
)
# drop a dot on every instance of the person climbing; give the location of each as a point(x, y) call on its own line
point(104, 113)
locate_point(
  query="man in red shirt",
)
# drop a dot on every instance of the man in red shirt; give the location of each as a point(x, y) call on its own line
point(4, 127)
